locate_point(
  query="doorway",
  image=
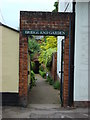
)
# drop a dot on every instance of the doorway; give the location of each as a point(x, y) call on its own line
point(42, 23)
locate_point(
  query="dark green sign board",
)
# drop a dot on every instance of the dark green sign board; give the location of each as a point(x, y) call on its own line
point(44, 32)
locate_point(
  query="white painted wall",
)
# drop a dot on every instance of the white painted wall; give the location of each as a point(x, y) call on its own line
point(63, 4)
point(81, 49)
point(88, 51)
point(81, 53)
point(59, 55)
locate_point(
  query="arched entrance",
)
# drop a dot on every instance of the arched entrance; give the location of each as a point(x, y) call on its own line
point(44, 23)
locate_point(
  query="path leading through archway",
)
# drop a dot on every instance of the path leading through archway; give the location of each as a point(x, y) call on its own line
point(46, 23)
point(43, 93)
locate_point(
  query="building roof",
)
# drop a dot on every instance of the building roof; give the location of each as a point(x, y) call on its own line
point(1, 24)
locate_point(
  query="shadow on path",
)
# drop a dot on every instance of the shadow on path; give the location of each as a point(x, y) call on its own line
point(43, 93)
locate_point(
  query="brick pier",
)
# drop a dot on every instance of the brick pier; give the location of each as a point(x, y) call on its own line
point(42, 21)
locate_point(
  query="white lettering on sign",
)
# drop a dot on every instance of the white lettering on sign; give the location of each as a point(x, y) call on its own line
point(43, 32)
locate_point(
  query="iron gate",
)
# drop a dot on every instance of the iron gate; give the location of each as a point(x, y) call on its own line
point(62, 71)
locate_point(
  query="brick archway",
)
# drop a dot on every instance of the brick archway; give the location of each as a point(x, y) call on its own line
point(43, 21)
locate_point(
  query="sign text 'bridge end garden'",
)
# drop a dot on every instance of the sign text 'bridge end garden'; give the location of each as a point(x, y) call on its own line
point(44, 32)
point(45, 23)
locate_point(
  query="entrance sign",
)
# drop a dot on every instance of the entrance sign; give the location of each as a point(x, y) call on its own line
point(48, 24)
point(44, 32)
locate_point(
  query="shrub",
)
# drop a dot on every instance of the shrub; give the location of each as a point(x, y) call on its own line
point(41, 68)
point(43, 74)
point(56, 85)
point(48, 65)
point(33, 80)
point(46, 80)
point(33, 46)
point(32, 65)
point(50, 80)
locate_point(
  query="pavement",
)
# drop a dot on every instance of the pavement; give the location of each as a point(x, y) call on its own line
point(44, 102)
point(44, 111)
point(43, 93)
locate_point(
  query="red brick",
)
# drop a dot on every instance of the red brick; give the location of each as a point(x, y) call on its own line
point(42, 21)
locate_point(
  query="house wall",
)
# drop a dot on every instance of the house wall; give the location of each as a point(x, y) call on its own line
point(88, 51)
point(81, 53)
point(65, 6)
point(0, 58)
point(10, 60)
point(59, 55)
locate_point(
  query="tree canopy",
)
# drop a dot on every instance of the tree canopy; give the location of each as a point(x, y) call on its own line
point(33, 46)
point(56, 7)
point(47, 49)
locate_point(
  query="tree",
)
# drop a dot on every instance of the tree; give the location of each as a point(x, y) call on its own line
point(47, 49)
point(33, 46)
point(56, 7)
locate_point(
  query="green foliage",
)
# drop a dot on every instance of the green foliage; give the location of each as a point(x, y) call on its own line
point(56, 7)
point(51, 42)
point(41, 68)
point(50, 80)
point(49, 54)
point(47, 49)
point(32, 65)
point(42, 73)
point(56, 85)
point(33, 46)
point(33, 80)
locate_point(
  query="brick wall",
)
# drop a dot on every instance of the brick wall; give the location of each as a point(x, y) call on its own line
point(23, 70)
point(41, 21)
point(66, 72)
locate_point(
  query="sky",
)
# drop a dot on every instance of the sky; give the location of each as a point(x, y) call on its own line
point(10, 9)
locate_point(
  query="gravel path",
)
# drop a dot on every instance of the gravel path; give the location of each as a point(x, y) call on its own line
point(43, 93)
